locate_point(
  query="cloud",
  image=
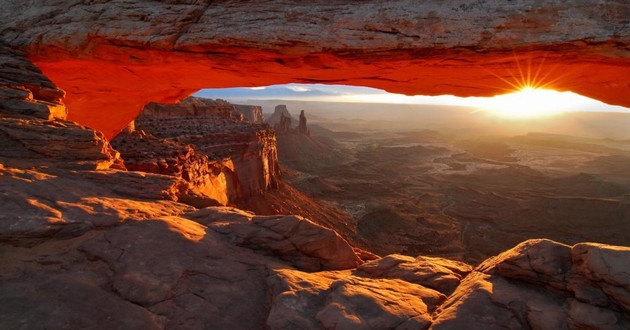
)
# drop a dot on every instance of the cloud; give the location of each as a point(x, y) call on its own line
point(257, 88)
point(299, 89)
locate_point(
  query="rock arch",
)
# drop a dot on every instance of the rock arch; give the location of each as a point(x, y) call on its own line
point(111, 58)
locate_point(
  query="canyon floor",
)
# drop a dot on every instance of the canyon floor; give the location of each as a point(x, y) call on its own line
point(460, 194)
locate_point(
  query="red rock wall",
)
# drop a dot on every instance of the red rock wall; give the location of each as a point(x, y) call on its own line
point(252, 113)
point(33, 129)
point(207, 143)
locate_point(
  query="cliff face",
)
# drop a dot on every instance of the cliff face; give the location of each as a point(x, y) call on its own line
point(252, 113)
point(164, 51)
point(34, 130)
point(205, 142)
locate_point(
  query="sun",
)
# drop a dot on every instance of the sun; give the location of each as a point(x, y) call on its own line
point(528, 103)
point(531, 95)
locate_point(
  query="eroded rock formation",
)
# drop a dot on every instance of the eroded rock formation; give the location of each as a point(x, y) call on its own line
point(282, 122)
point(33, 130)
point(205, 142)
point(164, 51)
point(279, 112)
point(252, 113)
point(302, 128)
point(283, 127)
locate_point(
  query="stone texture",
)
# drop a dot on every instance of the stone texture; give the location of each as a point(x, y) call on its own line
point(38, 142)
point(542, 284)
point(146, 153)
point(33, 131)
point(71, 301)
point(25, 91)
point(170, 272)
point(438, 274)
point(37, 205)
point(251, 113)
point(165, 51)
point(161, 264)
point(304, 244)
point(113, 249)
point(337, 300)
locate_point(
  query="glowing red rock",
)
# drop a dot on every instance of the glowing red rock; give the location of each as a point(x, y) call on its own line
point(112, 58)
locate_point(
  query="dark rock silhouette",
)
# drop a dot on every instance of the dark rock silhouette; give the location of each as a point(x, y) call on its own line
point(302, 129)
point(283, 127)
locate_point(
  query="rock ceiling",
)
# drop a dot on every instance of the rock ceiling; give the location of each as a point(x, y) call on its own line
point(113, 57)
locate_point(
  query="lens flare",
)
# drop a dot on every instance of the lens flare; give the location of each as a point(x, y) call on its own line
point(531, 102)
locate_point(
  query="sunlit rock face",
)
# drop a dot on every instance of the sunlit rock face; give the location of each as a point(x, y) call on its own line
point(251, 113)
point(163, 51)
point(207, 143)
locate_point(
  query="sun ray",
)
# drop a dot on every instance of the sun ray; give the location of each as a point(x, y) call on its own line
point(514, 86)
point(530, 82)
point(520, 70)
point(539, 70)
point(529, 71)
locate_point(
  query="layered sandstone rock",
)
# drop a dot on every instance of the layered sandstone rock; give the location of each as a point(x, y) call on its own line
point(164, 51)
point(25, 91)
point(38, 205)
point(146, 153)
point(33, 129)
point(306, 245)
point(251, 113)
point(283, 127)
point(205, 142)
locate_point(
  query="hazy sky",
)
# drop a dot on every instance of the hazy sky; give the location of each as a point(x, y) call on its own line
point(566, 101)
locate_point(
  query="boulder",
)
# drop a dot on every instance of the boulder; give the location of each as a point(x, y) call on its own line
point(302, 243)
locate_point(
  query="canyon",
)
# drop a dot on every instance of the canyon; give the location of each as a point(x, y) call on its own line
point(417, 180)
point(90, 237)
point(207, 143)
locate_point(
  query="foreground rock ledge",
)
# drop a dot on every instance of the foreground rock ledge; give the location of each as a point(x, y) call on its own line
point(163, 51)
point(221, 267)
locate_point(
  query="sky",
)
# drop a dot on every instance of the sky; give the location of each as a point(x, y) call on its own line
point(528, 103)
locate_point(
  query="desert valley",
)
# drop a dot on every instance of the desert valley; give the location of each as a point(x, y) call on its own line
point(464, 191)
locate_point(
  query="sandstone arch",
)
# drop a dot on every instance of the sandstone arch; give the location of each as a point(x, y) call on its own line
point(112, 58)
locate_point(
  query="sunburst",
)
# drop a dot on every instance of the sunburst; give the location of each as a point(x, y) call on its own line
point(530, 91)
